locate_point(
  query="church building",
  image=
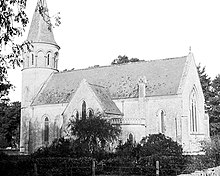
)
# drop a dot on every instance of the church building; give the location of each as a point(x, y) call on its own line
point(146, 97)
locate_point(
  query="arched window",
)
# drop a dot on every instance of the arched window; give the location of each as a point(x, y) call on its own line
point(84, 110)
point(91, 113)
point(32, 58)
point(77, 115)
point(56, 129)
point(54, 62)
point(193, 112)
point(46, 130)
point(131, 138)
point(162, 122)
point(161, 118)
point(48, 59)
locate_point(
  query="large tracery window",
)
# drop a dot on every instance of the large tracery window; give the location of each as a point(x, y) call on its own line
point(84, 110)
point(193, 112)
point(46, 130)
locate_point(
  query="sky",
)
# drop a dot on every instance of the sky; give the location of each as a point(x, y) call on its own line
point(95, 32)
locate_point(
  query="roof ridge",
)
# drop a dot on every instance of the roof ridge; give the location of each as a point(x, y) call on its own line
point(91, 84)
point(117, 65)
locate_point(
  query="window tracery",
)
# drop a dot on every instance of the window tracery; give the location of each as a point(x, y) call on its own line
point(193, 112)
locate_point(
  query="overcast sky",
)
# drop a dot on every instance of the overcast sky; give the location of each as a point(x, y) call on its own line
point(95, 32)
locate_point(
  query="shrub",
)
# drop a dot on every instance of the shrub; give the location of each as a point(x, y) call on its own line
point(158, 147)
point(59, 148)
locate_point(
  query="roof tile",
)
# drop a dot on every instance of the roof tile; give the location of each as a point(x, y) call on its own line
point(162, 78)
point(39, 30)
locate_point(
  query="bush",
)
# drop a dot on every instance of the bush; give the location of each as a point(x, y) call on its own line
point(16, 165)
point(158, 147)
point(64, 166)
point(59, 148)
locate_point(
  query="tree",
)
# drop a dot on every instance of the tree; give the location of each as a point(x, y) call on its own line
point(59, 148)
point(211, 149)
point(92, 134)
point(13, 21)
point(214, 112)
point(9, 123)
point(169, 153)
point(159, 144)
point(124, 59)
point(206, 83)
point(128, 150)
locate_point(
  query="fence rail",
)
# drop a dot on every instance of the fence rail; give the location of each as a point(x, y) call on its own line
point(60, 166)
point(69, 168)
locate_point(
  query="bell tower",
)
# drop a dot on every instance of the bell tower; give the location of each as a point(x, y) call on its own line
point(39, 63)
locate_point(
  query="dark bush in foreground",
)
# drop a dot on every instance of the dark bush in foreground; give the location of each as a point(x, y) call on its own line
point(16, 165)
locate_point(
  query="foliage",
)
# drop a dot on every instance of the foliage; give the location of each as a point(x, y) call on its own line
point(211, 90)
point(92, 134)
point(16, 165)
point(212, 151)
point(155, 147)
point(124, 59)
point(9, 123)
point(206, 84)
point(162, 148)
point(59, 148)
point(13, 20)
point(159, 144)
point(128, 150)
point(214, 112)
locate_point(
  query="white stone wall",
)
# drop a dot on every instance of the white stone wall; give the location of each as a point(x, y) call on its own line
point(83, 93)
point(191, 139)
point(171, 105)
point(144, 119)
point(38, 115)
point(215, 171)
point(141, 116)
point(34, 76)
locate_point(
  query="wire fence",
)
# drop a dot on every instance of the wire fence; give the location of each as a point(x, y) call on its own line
point(66, 166)
point(69, 168)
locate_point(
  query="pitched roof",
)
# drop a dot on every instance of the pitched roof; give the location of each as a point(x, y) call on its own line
point(39, 30)
point(162, 78)
point(104, 97)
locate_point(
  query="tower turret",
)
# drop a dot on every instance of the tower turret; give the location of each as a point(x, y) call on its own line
point(42, 60)
point(38, 65)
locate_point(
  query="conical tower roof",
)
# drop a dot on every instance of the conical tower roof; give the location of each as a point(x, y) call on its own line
point(40, 30)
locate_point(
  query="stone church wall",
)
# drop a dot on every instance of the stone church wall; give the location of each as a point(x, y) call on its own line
point(82, 94)
point(145, 120)
point(133, 118)
point(36, 124)
point(191, 81)
point(171, 105)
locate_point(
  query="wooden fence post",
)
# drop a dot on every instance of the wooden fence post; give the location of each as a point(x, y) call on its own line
point(157, 168)
point(93, 167)
point(35, 169)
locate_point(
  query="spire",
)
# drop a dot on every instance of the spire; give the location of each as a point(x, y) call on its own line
point(40, 29)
